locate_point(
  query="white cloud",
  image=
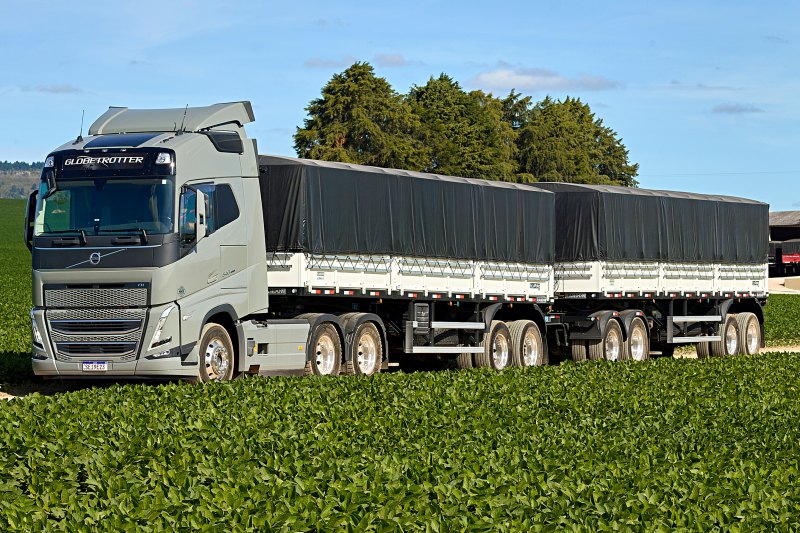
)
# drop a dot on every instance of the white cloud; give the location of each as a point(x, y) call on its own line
point(736, 109)
point(52, 89)
point(318, 62)
point(390, 60)
point(539, 79)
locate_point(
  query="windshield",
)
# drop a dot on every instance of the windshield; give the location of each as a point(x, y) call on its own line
point(106, 205)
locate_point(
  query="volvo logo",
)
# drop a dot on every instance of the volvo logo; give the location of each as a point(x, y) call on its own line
point(95, 257)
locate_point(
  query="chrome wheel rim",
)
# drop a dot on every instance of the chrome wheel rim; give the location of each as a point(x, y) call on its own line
point(731, 339)
point(637, 345)
point(367, 356)
point(752, 337)
point(612, 345)
point(530, 350)
point(325, 355)
point(216, 359)
point(500, 352)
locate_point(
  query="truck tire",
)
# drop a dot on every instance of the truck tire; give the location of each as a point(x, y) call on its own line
point(217, 357)
point(465, 360)
point(366, 353)
point(729, 345)
point(578, 350)
point(637, 345)
point(749, 333)
point(324, 351)
point(496, 347)
point(702, 350)
point(610, 347)
point(526, 344)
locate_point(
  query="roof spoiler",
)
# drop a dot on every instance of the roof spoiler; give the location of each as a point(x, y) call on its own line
point(124, 120)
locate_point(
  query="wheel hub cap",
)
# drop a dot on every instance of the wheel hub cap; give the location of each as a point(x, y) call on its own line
point(612, 346)
point(325, 355)
point(367, 354)
point(500, 352)
point(731, 340)
point(637, 345)
point(216, 360)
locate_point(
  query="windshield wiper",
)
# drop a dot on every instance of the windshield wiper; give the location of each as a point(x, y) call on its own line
point(80, 232)
point(140, 231)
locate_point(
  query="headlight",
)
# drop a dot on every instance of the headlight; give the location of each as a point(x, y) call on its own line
point(156, 341)
point(37, 337)
point(163, 158)
point(50, 162)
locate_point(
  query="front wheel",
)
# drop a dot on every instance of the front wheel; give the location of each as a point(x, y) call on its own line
point(216, 354)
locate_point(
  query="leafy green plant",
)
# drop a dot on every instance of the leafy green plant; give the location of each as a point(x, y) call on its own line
point(782, 320)
point(670, 444)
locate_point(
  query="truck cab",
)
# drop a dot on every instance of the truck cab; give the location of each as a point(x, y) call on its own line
point(140, 241)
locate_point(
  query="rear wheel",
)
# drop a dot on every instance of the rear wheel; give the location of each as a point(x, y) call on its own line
point(702, 349)
point(637, 345)
point(749, 333)
point(578, 350)
point(325, 351)
point(366, 354)
point(729, 345)
point(610, 346)
point(496, 347)
point(526, 344)
point(216, 354)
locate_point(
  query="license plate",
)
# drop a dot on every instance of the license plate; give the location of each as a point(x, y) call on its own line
point(95, 366)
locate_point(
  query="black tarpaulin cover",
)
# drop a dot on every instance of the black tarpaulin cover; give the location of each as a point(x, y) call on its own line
point(598, 222)
point(336, 208)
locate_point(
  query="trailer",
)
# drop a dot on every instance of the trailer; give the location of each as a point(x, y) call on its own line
point(665, 267)
point(166, 251)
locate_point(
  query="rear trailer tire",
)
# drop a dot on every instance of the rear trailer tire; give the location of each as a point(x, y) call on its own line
point(325, 351)
point(610, 347)
point(366, 354)
point(729, 345)
point(578, 350)
point(496, 347)
point(464, 360)
point(216, 354)
point(702, 349)
point(637, 345)
point(749, 333)
point(526, 344)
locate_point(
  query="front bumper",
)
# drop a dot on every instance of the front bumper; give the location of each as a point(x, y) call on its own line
point(57, 355)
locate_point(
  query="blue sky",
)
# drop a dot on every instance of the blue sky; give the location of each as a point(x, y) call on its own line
point(704, 94)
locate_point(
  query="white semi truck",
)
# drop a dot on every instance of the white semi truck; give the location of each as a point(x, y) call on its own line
point(163, 245)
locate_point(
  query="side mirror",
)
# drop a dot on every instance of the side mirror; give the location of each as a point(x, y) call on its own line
point(29, 218)
point(200, 209)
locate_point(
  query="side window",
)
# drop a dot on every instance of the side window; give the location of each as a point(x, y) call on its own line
point(188, 218)
point(226, 208)
point(211, 216)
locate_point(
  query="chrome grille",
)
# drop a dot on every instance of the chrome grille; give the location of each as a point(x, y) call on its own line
point(84, 334)
point(89, 297)
point(89, 327)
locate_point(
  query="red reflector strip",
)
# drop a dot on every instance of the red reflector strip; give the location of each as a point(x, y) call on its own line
point(459, 296)
point(533, 299)
point(436, 296)
point(328, 291)
point(689, 294)
point(412, 294)
point(672, 295)
point(348, 292)
point(630, 295)
point(493, 298)
point(648, 295)
point(374, 293)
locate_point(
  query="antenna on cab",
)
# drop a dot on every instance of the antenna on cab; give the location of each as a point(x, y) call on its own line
point(181, 131)
point(80, 133)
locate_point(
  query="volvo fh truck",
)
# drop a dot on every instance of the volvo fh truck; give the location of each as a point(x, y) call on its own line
point(163, 245)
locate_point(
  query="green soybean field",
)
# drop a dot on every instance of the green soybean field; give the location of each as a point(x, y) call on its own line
point(663, 445)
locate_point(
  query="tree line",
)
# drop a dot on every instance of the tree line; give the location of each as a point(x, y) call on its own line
point(21, 166)
point(441, 128)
